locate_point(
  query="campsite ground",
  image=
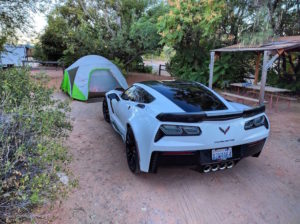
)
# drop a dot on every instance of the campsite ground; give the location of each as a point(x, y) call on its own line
point(263, 190)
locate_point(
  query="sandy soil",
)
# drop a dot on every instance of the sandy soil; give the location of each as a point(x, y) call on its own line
point(257, 190)
point(55, 76)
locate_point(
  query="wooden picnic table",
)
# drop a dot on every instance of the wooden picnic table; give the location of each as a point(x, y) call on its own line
point(274, 91)
point(269, 89)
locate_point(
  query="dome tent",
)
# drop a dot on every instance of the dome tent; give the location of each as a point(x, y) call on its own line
point(90, 75)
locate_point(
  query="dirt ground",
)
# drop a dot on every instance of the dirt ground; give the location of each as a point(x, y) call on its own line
point(257, 190)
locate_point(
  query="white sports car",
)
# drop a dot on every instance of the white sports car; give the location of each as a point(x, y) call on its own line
point(184, 123)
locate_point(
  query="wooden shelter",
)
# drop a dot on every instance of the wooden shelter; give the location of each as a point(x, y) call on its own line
point(274, 47)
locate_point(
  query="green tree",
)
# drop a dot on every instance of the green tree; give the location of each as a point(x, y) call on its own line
point(193, 28)
point(16, 16)
point(190, 28)
point(120, 30)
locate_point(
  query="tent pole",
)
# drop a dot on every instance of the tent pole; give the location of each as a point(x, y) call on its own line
point(257, 68)
point(211, 69)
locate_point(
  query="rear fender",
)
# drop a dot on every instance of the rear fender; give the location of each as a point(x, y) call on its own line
point(144, 128)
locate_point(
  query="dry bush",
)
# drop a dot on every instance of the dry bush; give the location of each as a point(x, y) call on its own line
point(33, 127)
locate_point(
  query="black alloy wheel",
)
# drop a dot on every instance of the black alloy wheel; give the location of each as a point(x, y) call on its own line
point(105, 111)
point(132, 152)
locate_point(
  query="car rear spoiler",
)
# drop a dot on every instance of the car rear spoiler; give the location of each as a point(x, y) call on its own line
point(199, 117)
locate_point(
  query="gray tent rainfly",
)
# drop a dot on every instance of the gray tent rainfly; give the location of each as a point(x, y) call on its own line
point(274, 47)
point(92, 75)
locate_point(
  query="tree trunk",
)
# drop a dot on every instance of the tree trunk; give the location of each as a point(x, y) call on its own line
point(284, 64)
point(291, 62)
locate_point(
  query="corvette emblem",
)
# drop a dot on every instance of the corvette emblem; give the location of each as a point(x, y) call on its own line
point(224, 131)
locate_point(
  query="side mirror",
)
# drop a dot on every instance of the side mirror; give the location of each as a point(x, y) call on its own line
point(114, 96)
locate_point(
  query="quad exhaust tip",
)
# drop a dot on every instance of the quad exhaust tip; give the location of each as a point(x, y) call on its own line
point(207, 169)
point(230, 164)
point(215, 167)
point(223, 166)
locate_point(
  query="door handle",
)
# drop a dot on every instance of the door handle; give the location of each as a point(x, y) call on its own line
point(128, 107)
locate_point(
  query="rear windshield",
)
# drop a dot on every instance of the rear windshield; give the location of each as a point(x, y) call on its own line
point(189, 96)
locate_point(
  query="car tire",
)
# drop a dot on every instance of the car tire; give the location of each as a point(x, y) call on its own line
point(132, 152)
point(105, 111)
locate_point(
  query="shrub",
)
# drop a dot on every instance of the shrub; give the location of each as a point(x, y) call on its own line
point(284, 80)
point(33, 126)
point(144, 69)
point(120, 65)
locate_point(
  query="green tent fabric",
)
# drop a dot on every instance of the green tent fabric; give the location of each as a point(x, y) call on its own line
point(90, 75)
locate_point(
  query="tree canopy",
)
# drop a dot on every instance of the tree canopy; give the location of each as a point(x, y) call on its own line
point(124, 30)
point(193, 28)
point(16, 16)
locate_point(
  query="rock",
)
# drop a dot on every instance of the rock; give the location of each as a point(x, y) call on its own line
point(63, 178)
point(6, 195)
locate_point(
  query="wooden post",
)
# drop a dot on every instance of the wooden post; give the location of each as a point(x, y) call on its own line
point(257, 68)
point(211, 69)
point(263, 78)
point(159, 69)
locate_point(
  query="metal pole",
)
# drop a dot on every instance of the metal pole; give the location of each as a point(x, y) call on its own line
point(211, 69)
point(263, 78)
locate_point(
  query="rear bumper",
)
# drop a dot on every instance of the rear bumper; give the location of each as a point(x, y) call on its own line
point(203, 157)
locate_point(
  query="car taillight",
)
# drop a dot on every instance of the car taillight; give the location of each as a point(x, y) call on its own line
point(176, 130)
point(257, 122)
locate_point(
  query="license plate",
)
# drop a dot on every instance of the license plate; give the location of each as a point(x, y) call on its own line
point(221, 154)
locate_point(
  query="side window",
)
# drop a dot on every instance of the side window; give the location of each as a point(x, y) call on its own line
point(143, 96)
point(137, 94)
point(129, 94)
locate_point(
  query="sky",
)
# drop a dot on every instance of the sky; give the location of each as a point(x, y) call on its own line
point(39, 22)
